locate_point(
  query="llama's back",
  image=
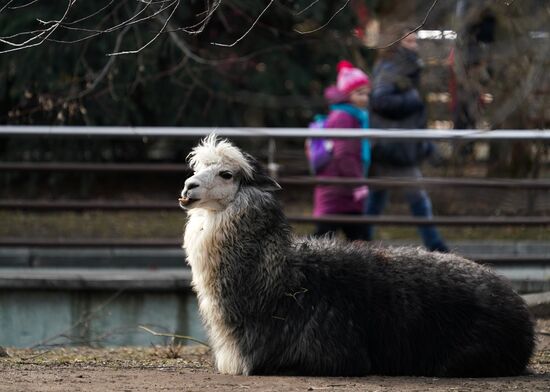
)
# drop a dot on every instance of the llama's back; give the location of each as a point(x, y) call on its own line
point(404, 311)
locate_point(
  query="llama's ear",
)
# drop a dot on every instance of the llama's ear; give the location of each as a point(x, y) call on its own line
point(259, 178)
point(265, 183)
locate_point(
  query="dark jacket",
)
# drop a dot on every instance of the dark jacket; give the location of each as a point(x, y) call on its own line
point(395, 102)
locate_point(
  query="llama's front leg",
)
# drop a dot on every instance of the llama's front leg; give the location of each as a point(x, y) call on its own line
point(230, 361)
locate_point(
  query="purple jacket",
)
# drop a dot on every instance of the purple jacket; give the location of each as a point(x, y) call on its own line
point(345, 162)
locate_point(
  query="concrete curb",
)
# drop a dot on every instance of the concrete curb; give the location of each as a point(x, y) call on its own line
point(162, 279)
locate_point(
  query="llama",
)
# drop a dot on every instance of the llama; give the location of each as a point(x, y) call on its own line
point(276, 304)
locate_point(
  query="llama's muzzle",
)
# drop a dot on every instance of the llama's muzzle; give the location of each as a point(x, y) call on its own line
point(184, 201)
point(186, 198)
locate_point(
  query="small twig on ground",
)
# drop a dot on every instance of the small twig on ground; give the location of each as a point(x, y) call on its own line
point(82, 320)
point(23, 360)
point(170, 335)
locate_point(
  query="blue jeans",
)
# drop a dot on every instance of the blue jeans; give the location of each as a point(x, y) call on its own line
point(420, 206)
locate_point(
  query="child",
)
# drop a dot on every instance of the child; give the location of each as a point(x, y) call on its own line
point(350, 157)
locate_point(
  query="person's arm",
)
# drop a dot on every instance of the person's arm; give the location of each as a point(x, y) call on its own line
point(388, 102)
point(388, 99)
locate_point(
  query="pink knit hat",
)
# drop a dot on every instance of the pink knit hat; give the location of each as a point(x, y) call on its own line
point(349, 78)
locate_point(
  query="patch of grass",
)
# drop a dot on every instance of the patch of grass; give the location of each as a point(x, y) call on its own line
point(517, 233)
point(388, 233)
point(101, 225)
point(170, 225)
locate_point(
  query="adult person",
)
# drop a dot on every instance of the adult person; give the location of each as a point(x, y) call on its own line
point(395, 102)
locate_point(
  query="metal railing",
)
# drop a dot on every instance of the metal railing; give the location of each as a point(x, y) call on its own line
point(273, 133)
point(277, 133)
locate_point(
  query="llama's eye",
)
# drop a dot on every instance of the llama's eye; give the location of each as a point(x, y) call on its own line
point(226, 175)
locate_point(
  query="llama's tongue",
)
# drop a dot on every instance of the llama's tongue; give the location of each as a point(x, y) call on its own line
point(184, 200)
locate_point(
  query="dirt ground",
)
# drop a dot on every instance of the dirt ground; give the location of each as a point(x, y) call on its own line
point(189, 368)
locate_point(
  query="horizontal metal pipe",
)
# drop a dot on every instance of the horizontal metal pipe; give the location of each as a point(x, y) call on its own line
point(90, 242)
point(397, 182)
point(439, 220)
point(72, 205)
point(93, 167)
point(152, 132)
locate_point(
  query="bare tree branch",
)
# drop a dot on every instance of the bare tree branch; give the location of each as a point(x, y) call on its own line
point(327, 23)
point(204, 22)
point(534, 75)
point(247, 31)
point(6, 5)
point(42, 36)
point(104, 71)
point(181, 44)
point(175, 3)
point(23, 5)
point(410, 32)
point(89, 16)
point(306, 8)
point(37, 37)
point(171, 335)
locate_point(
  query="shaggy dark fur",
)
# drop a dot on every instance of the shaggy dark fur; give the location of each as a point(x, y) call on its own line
point(331, 308)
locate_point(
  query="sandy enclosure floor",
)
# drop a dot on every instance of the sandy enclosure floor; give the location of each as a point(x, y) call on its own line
point(189, 368)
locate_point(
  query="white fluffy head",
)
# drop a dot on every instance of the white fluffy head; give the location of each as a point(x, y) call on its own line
point(220, 169)
point(212, 151)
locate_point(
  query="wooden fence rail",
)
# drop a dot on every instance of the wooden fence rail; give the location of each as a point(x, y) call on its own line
point(72, 205)
point(506, 183)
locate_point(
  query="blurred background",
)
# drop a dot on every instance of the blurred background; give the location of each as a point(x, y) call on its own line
point(90, 240)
